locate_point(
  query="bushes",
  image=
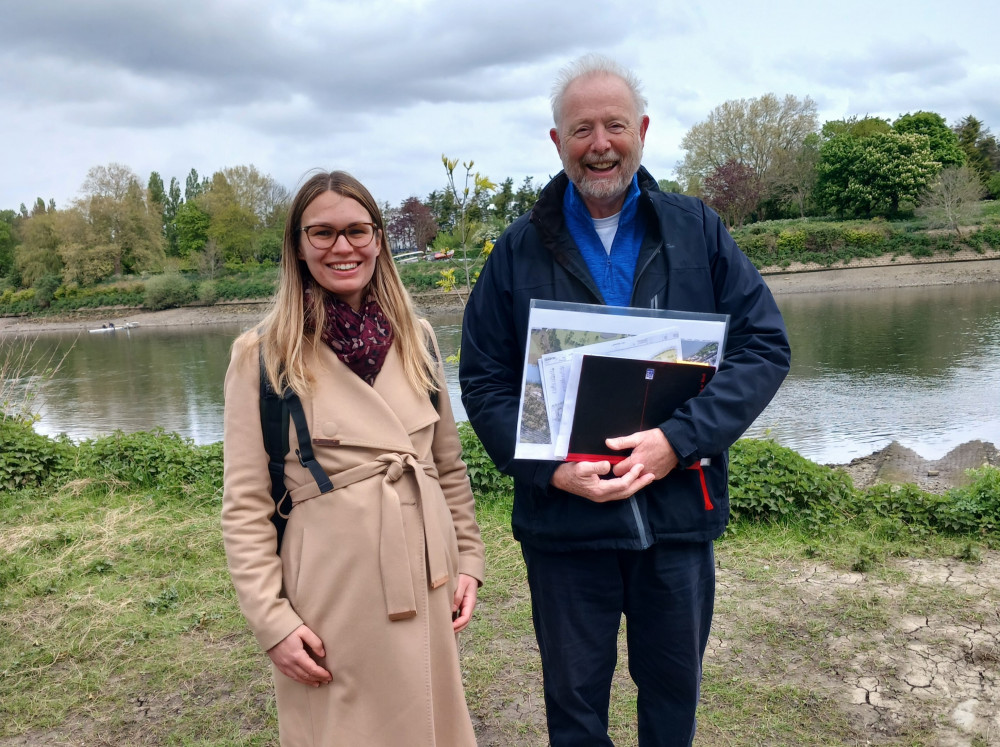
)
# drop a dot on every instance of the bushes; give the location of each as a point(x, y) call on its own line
point(768, 482)
point(28, 459)
point(168, 291)
point(779, 243)
point(486, 480)
point(151, 459)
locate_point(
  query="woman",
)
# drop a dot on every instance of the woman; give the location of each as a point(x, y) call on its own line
point(359, 609)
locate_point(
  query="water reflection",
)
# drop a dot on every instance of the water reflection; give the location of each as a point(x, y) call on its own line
point(918, 365)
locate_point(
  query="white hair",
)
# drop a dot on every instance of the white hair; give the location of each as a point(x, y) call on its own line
point(591, 65)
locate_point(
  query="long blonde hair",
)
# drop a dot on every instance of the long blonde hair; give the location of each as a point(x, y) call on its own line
point(290, 323)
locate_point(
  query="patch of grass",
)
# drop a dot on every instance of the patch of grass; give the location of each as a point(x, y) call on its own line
point(119, 624)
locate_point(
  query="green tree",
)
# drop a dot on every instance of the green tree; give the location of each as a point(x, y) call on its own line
point(191, 224)
point(38, 253)
point(874, 175)
point(86, 258)
point(170, 208)
point(670, 185)
point(982, 152)
point(7, 243)
point(942, 140)
point(193, 186)
point(120, 221)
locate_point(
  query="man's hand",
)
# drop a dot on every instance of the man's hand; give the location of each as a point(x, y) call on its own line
point(650, 450)
point(584, 479)
point(464, 602)
point(295, 657)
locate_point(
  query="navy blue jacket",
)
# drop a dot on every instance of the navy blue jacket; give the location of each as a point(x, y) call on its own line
point(688, 262)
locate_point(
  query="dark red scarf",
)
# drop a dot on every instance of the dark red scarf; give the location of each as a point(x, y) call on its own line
point(361, 339)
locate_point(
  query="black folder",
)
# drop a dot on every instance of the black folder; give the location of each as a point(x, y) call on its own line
point(619, 396)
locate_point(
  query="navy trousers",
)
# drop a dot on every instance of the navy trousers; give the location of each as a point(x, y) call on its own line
point(666, 593)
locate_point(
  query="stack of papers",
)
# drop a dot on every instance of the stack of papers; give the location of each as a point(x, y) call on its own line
point(595, 372)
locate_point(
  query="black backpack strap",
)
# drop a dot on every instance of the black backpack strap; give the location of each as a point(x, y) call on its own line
point(305, 453)
point(274, 427)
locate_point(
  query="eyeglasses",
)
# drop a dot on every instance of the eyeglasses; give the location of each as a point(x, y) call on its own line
point(358, 235)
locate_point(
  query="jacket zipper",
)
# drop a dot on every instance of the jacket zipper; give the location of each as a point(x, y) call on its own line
point(643, 540)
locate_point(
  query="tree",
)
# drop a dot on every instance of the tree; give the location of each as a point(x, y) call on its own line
point(411, 226)
point(525, 197)
point(982, 152)
point(193, 187)
point(800, 179)
point(733, 190)
point(952, 197)
point(670, 185)
point(7, 243)
point(762, 133)
point(38, 253)
point(157, 195)
point(119, 220)
point(192, 228)
point(464, 199)
point(170, 208)
point(873, 175)
point(943, 141)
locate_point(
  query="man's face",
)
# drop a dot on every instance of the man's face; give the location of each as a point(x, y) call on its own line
point(600, 137)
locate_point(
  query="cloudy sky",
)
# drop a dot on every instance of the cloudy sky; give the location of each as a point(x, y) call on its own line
point(383, 88)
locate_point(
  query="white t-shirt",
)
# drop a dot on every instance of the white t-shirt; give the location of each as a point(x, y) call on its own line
point(606, 229)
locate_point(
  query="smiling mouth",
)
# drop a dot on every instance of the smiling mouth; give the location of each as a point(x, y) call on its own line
point(344, 266)
point(601, 167)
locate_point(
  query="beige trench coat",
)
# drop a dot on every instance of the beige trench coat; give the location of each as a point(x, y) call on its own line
point(371, 568)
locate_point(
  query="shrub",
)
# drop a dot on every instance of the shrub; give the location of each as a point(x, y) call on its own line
point(768, 482)
point(151, 459)
point(45, 289)
point(28, 459)
point(207, 293)
point(168, 291)
point(486, 480)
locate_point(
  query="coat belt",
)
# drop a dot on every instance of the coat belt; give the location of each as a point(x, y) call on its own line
point(397, 586)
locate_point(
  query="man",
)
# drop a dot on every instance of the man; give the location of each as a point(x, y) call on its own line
point(635, 539)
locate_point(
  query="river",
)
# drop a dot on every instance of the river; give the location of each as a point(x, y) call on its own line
point(916, 365)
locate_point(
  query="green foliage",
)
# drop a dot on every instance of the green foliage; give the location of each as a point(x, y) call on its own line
point(486, 481)
point(153, 459)
point(985, 237)
point(876, 175)
point(168, 291)
point(969, 510)
point(258, 283)
point(208, 294)
point(943, 141)
point(28, 459)
point(45, 289)
point(768, 482)
point(121, 293)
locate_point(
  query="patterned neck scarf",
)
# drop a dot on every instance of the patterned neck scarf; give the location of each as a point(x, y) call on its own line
point(361, 339)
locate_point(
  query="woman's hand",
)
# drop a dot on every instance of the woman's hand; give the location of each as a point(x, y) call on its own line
point(295, 657)
point(464, 602)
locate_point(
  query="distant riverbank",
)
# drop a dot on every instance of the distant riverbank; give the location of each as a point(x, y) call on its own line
point(868, 274)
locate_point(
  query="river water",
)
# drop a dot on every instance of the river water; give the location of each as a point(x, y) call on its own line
point(916, 365)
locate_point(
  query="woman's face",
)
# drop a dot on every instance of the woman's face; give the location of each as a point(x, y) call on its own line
point(342, 269)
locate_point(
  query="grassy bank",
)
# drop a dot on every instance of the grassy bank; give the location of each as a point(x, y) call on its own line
point(779, 244)
point(119, 624)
